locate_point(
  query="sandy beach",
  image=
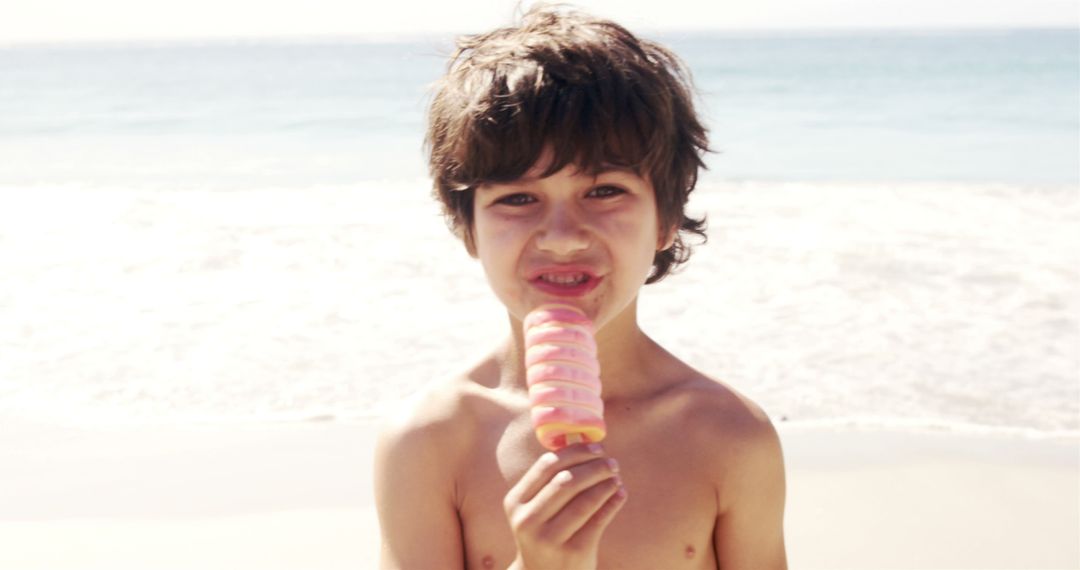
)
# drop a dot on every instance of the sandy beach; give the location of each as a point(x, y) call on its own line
point(299, 496)
point(219, 260)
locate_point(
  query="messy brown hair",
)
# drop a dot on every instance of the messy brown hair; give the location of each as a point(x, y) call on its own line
point(588, 89)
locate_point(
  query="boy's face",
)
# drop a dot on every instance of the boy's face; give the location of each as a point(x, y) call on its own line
point(571, 238)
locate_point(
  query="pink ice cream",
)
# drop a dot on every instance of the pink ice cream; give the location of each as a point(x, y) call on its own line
point(563, 376)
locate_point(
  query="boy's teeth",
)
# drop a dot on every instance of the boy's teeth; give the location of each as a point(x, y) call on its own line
point(575, 279)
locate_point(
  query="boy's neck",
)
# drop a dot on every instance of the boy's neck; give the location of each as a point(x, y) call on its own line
point(623, 349)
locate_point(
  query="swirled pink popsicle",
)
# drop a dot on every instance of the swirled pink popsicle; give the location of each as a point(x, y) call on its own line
point(563, 375)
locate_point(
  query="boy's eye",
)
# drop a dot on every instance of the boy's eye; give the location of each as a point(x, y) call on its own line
point(606, 191)
point(516, 200)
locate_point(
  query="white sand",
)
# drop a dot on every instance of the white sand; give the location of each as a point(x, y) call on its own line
point(298, 496)
point(864, 500)
point(271, 496)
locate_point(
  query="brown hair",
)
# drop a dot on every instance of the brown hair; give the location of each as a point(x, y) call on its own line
point(587, 88)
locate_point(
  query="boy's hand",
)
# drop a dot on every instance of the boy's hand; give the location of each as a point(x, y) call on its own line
point(561, 507)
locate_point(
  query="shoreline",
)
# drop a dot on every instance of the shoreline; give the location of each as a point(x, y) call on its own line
point(299, 496)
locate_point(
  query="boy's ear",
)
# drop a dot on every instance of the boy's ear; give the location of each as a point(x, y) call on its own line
point(470, 244)
point(667, 239)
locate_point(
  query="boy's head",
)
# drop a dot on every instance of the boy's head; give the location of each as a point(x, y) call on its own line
point(582, 87)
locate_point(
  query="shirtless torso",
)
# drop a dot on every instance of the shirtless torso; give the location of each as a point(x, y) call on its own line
point(701, 465)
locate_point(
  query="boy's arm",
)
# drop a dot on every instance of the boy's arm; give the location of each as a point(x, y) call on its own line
point(414, 497)
point(750, 527)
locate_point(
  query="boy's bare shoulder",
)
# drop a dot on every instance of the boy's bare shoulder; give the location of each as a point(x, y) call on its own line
point(441, 418)
point(729, 428)
point(714, 408)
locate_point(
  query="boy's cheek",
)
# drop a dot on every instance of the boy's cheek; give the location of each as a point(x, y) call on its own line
point(490, 242)
point(630, 229)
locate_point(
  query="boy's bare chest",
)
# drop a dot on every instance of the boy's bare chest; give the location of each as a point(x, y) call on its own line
point(668, 521)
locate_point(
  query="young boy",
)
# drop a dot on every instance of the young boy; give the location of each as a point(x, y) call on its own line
point(563, 151)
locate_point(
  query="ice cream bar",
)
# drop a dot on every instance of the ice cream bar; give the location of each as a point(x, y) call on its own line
point(563, 375)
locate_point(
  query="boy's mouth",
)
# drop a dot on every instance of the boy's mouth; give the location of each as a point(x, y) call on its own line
point(565, 279)
point(565, 283)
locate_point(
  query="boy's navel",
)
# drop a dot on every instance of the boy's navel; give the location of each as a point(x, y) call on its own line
point(690, 552)
point(488, 561)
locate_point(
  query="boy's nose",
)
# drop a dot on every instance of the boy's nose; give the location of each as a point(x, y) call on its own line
point(562, 233)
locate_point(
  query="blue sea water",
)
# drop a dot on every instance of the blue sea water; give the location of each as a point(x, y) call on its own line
point(974, 106)
point(994, 105)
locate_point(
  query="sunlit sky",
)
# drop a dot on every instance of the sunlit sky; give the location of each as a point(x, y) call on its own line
point(75, 20)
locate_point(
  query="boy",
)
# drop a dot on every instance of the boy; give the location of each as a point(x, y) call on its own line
point(563, 151)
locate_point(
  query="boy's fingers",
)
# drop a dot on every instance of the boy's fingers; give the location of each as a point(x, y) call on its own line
point(582, 510)
point(562, 491)
point(591, 531)
point(530, 483)
point(541, 471)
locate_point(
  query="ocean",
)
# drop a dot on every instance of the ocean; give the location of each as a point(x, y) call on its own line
point(241, 231)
